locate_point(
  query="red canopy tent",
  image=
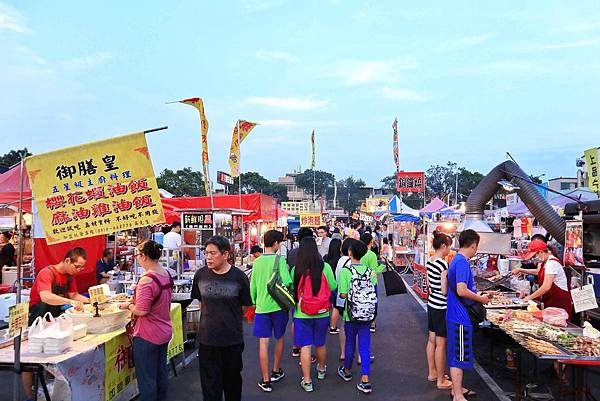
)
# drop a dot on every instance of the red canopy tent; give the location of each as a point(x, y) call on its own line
point(45, 254)
point(262, 207)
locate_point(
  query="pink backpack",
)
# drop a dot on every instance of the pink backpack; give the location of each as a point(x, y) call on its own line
point(313, 304)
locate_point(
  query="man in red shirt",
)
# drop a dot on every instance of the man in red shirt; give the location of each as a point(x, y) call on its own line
point(55, 286)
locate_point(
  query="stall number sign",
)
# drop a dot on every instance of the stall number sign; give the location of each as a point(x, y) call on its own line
point(18, 316)
point(410, 181)
point(311, 220)
point(199, 221)
point(584, 298)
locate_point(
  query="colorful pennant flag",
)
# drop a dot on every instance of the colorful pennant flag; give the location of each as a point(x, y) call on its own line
point(199, 104)
point(396, 152)
point(234, 150)
point(312, 141)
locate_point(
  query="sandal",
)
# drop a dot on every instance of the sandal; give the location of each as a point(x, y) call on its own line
point(435, 378)
point(447, 387)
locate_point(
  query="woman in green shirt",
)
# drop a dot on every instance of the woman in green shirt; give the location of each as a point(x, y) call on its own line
point(310, 275)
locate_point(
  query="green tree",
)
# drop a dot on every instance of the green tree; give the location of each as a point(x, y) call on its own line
point(253, 182)
point(323, 182)
point(441, 181)
point(13, 157)
point(183, 182)
point(350, 194)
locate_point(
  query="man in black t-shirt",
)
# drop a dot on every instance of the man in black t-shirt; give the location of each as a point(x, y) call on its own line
point(223, 292)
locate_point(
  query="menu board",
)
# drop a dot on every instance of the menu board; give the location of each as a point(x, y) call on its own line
point(198, 221)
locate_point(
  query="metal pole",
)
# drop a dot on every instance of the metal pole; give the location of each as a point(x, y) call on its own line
point(17, 341)
point(456, 190)
point(239, 164)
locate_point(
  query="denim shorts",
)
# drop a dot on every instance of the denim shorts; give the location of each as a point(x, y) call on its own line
point(272, 324)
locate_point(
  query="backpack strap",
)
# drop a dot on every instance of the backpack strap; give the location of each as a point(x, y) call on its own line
point(161, 287)
point(276, 263)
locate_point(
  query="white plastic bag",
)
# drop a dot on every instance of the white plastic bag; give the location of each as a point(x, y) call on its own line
point(59, 336)
point(37, 332)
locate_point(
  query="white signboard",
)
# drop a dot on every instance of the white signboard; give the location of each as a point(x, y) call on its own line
point(584, 298)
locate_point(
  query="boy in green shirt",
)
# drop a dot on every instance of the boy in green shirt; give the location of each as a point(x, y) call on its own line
point(270, 319)
point(352, 328)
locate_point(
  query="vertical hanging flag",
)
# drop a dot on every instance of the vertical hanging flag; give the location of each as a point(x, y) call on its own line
point(199, 104)
point(396, 153)
point(312, 142)
point(234, 150)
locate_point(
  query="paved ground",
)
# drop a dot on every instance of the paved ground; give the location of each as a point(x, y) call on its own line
point(399, 372)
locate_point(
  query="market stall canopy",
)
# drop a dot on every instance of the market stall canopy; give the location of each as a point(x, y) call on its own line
point(452, 210)
point(399, 207)
point(433, 207)
point(10, 187)
point(262, 207)
point(519, 209)
point(406, 217)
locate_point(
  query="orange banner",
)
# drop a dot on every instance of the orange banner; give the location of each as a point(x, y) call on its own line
point(234, 150)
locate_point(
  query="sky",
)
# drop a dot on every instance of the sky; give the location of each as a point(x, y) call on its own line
point(468, 81)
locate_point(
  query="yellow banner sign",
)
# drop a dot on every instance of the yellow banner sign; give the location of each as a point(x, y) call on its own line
point(199, 104)
point(119, 370)
point(18, 316)
point(311, 220)
point(591, 161)
point(234, 150)
point(95, 189)
point(376, 205)
point(176, 344)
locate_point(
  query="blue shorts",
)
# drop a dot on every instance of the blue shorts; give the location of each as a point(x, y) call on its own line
point(273, 324)
point(310, 331)
point(460, 345)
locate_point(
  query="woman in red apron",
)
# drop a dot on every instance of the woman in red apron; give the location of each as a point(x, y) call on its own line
point(554, 286)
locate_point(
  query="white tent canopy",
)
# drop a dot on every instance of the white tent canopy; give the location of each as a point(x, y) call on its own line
point(399, 207)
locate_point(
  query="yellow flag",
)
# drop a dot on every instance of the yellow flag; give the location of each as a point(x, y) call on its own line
point(199, 104)
point(95, 189)
point(234, 150)
point(593, 169)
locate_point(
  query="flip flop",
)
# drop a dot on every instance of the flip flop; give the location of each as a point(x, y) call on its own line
point(468, 393)
point(448, 387)
point(435, 379)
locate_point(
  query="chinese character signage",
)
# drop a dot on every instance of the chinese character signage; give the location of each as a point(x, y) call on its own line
point(119, 370)
point(18, 316)
point(311, 220)
point(95, 189)
point(224, 179)
point(591, 161)
point(410, 182)
point(198, 221)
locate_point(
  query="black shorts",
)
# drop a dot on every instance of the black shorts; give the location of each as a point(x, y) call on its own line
point(436, 321)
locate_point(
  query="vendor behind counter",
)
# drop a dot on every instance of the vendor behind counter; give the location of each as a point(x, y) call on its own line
point(55, 286)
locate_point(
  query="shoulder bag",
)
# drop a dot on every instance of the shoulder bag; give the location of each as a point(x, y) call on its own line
point(279, 292)
point(477, 312)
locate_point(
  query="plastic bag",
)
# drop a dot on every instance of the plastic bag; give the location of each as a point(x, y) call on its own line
point(40, 325)
point(555, 316)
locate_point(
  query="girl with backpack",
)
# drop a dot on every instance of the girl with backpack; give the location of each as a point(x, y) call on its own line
point(313, 283)
point(357, 287)
point(333, 256)
point(152, 329)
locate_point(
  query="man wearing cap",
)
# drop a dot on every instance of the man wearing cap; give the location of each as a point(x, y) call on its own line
point(554, 288)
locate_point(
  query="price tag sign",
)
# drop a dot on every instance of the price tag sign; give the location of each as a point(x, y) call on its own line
point(97, 294)
point(18, 317)
point(584, 298)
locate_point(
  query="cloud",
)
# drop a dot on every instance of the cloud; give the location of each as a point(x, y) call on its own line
point(275, 56)
point(403, 94)
point(286, 124)
point(365, 72)
point(569, 45)
point(87, 61)
point(289, 103)
point(12, 20)
point(469, 41)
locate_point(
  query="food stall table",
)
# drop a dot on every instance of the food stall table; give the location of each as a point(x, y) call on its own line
point(95, 367)
point(404, 259)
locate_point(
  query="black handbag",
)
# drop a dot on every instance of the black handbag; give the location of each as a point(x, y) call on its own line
point(394, 284)
point(477, 312)
point(283, 295)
